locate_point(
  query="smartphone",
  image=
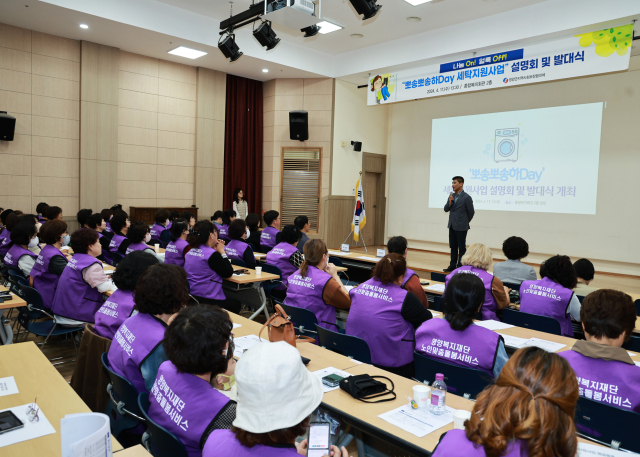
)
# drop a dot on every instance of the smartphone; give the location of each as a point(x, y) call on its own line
point(9, 422)
point(241, 272)
point(332, 380)
point(319, 439)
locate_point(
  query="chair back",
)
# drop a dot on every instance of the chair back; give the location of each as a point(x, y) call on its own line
point(117, 257)
point(15, 281)
point(347, 345)
point(637, 306)
point(124, 400)
point(531, 321)
point(580, 298)
point(238, 262)
point(302, 318)
point(462, 381)
point(16, 272)
point(437, 303)
point(440, 277)
point(268, 285)
point(31, 296)
point(512, 285)
point(633, 344)
point(337, 261)
point(608, 425)
point(159, 441)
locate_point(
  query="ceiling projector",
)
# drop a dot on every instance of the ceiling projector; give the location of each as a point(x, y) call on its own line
point(295, 14)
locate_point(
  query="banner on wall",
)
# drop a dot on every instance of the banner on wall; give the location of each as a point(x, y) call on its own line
point(602, 51)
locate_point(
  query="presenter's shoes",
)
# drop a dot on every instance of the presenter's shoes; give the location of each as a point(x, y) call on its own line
point(449, 269)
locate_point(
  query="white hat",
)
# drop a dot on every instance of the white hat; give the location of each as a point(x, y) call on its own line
point(275, 390)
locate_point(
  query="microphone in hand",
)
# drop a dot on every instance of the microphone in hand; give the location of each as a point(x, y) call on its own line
point(451, 198)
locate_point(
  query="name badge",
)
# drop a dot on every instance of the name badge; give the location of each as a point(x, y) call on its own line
point(381, 253)
point(344, 248)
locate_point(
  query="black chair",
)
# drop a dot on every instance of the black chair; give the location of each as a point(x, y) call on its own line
point(437, 303)
point(638, 306)
point(608, 425)
point(347, 345)
point(580, 298)
point(157, 440)
point(531, 321)
point(337, 261)
point(462, 381)
point(268, 286)
point(304, 320)
point(633, 344)
point(512, 285)
point(117, 257)
point(123, 410)
point(238, 262)
point(440, 277)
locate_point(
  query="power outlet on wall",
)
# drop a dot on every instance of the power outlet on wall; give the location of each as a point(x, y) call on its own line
point(343, 144)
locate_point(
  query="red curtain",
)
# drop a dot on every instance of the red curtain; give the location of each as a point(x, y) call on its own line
point(243, 142)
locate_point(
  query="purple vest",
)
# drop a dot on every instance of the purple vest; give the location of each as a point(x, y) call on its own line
point(545, 297)
point(307, 293)
point(137, 247)
point(169, 225)
point(76, 299)
point(108, 229)
point(224, 232)
point(133, 342)
point(407, 276)
point(475, 347)
point(607, 381)
point(489, 307)
point(105, 253)
point(268, 237)
point(113, 313)
point(456, 444)
point(203, 280)
point(14, 253)
point(375, 316)
point(156, 231)
point(115, 243)
point(5, 239)
point(235, 249)
point(184, 405)
point(174, 252)
point(279, 256)
point(224, 443)
point(44, 281)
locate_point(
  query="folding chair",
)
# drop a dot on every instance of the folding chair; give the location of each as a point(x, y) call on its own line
point(633, 344)
point(532, 321)
point(304, 320)
point(608, 425)
point(440, 277)
point(347, 345)
point(157, 440)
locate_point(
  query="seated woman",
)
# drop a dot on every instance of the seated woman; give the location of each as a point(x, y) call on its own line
point(177, 248)
point(160, 230)
point(54, 212)
point(317, 287)
point(83, 216)
point(228, 216)
point(411, 281)
point(382, 304)
point(97, 223)
point(237, 248)
point(172, 216)
point(513, 270)
point(608, 318)
point(552, 295)
point(199, 345)
point(139, 236)
point(137, 352)
point(253, 223)
point(41, 211)
point(585, 271)
point(51, 261)
point(107, 214)
point(4, 233)
point(10, 222)
point(275, 402)
point(529, 411)
point(270, 236)
point(285, 255)
point(207, 266)
point(119, 306)
point(82, 283)
point(23, 237)
point(217, 218)
point(119, 241)
point(189, 217)
point(477, 261)
point(466, 344)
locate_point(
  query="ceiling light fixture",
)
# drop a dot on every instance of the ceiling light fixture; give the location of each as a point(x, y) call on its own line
point(266, 36)
point(229, 48)
point(328, 27)
point(265, 70)
point(84, 26)
point(367, 8)
point(414, 19)
point(357, 35)
point(417, 2)
point(187, 52)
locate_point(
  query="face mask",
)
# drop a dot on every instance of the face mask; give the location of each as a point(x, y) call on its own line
point(66, 240)
point(147, 238)
point(34, 242)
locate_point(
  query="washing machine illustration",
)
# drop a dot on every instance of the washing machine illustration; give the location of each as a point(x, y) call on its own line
point(506, 145)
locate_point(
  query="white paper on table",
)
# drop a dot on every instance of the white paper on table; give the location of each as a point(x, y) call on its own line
point(236, 325)
point(435, 288)
point(590, 450)
point(357, 361)
point(85, 435)
point(8, 386)
point(326, 372)
point(436, 314)
point(419, 422)
point(65, 248)
point(370, 259)
point(631, 353)
point(30, 430)
point(244, 343)
point(335, 252)
point(513, 341)
point(637, 363)
point(349, 288)
point(493, 325)
point(548, 346)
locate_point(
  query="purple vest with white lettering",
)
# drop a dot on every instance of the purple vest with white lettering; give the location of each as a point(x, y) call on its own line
point(185, 405)
point(115, 243)
point(105, 253)
point(307, 293)
point(268, 237)
point(475, 347)
point(224, 443)
point(611, 382)
point(15, 252)
point(545, 297)
point(108, 229)
point(137, 247)
point(375, 316)
point(75, 299)
point(407, 276)
point(137, 337)
point(456, 444)
point(44, 281)
point(203, 280)
point(279, 256)
point(113, 313)
point(224, 232)
point(489, 307)
point(174, 252)
point(156, 231)
point(5, 240)
point(235, 249)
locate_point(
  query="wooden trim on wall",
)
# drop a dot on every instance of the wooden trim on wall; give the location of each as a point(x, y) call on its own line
point(377, 163)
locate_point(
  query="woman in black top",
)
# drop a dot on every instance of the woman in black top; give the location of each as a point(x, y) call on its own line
point(253, 222)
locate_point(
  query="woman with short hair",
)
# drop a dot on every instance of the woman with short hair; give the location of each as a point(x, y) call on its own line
point(139, 236)
point(23, 237)
point(10, 222)
point(160, 229)
point(106, 215)
point(253, 223)
point(237, 248)
point(41, 211)
point(97, 223)
point(52, 261)
point(227, 217)
point(119, 241)
point(513, 270)
point(217, 218)
point(54, 212)
point(178, 247)
point(285, 255)
point(189, 217)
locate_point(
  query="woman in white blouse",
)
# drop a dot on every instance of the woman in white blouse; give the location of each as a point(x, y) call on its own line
point(239, 204)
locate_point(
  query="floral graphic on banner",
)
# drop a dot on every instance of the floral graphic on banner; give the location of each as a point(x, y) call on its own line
point(383, 86)
point(608, 41)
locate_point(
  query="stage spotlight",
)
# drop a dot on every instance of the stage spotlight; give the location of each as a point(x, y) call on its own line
point(229, 48)
point(367, 8)
point(266, 36)
point(310, 31)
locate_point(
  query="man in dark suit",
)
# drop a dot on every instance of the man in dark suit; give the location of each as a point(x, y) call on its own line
point(460, 209)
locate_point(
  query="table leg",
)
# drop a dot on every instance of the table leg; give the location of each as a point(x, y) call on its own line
point(6, 332)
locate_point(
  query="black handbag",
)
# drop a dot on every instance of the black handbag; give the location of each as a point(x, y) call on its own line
point(364, 388)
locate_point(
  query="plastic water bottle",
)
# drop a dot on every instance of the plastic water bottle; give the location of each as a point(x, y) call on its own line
point(438, 395)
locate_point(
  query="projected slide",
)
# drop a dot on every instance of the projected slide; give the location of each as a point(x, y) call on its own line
point(541, 160)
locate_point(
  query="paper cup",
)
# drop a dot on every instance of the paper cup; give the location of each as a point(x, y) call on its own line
point(421, 395)
point(459, 416)
point(157, 248)
point(258, 270)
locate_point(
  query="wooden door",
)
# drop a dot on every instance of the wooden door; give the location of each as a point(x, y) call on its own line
point(369, 189)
